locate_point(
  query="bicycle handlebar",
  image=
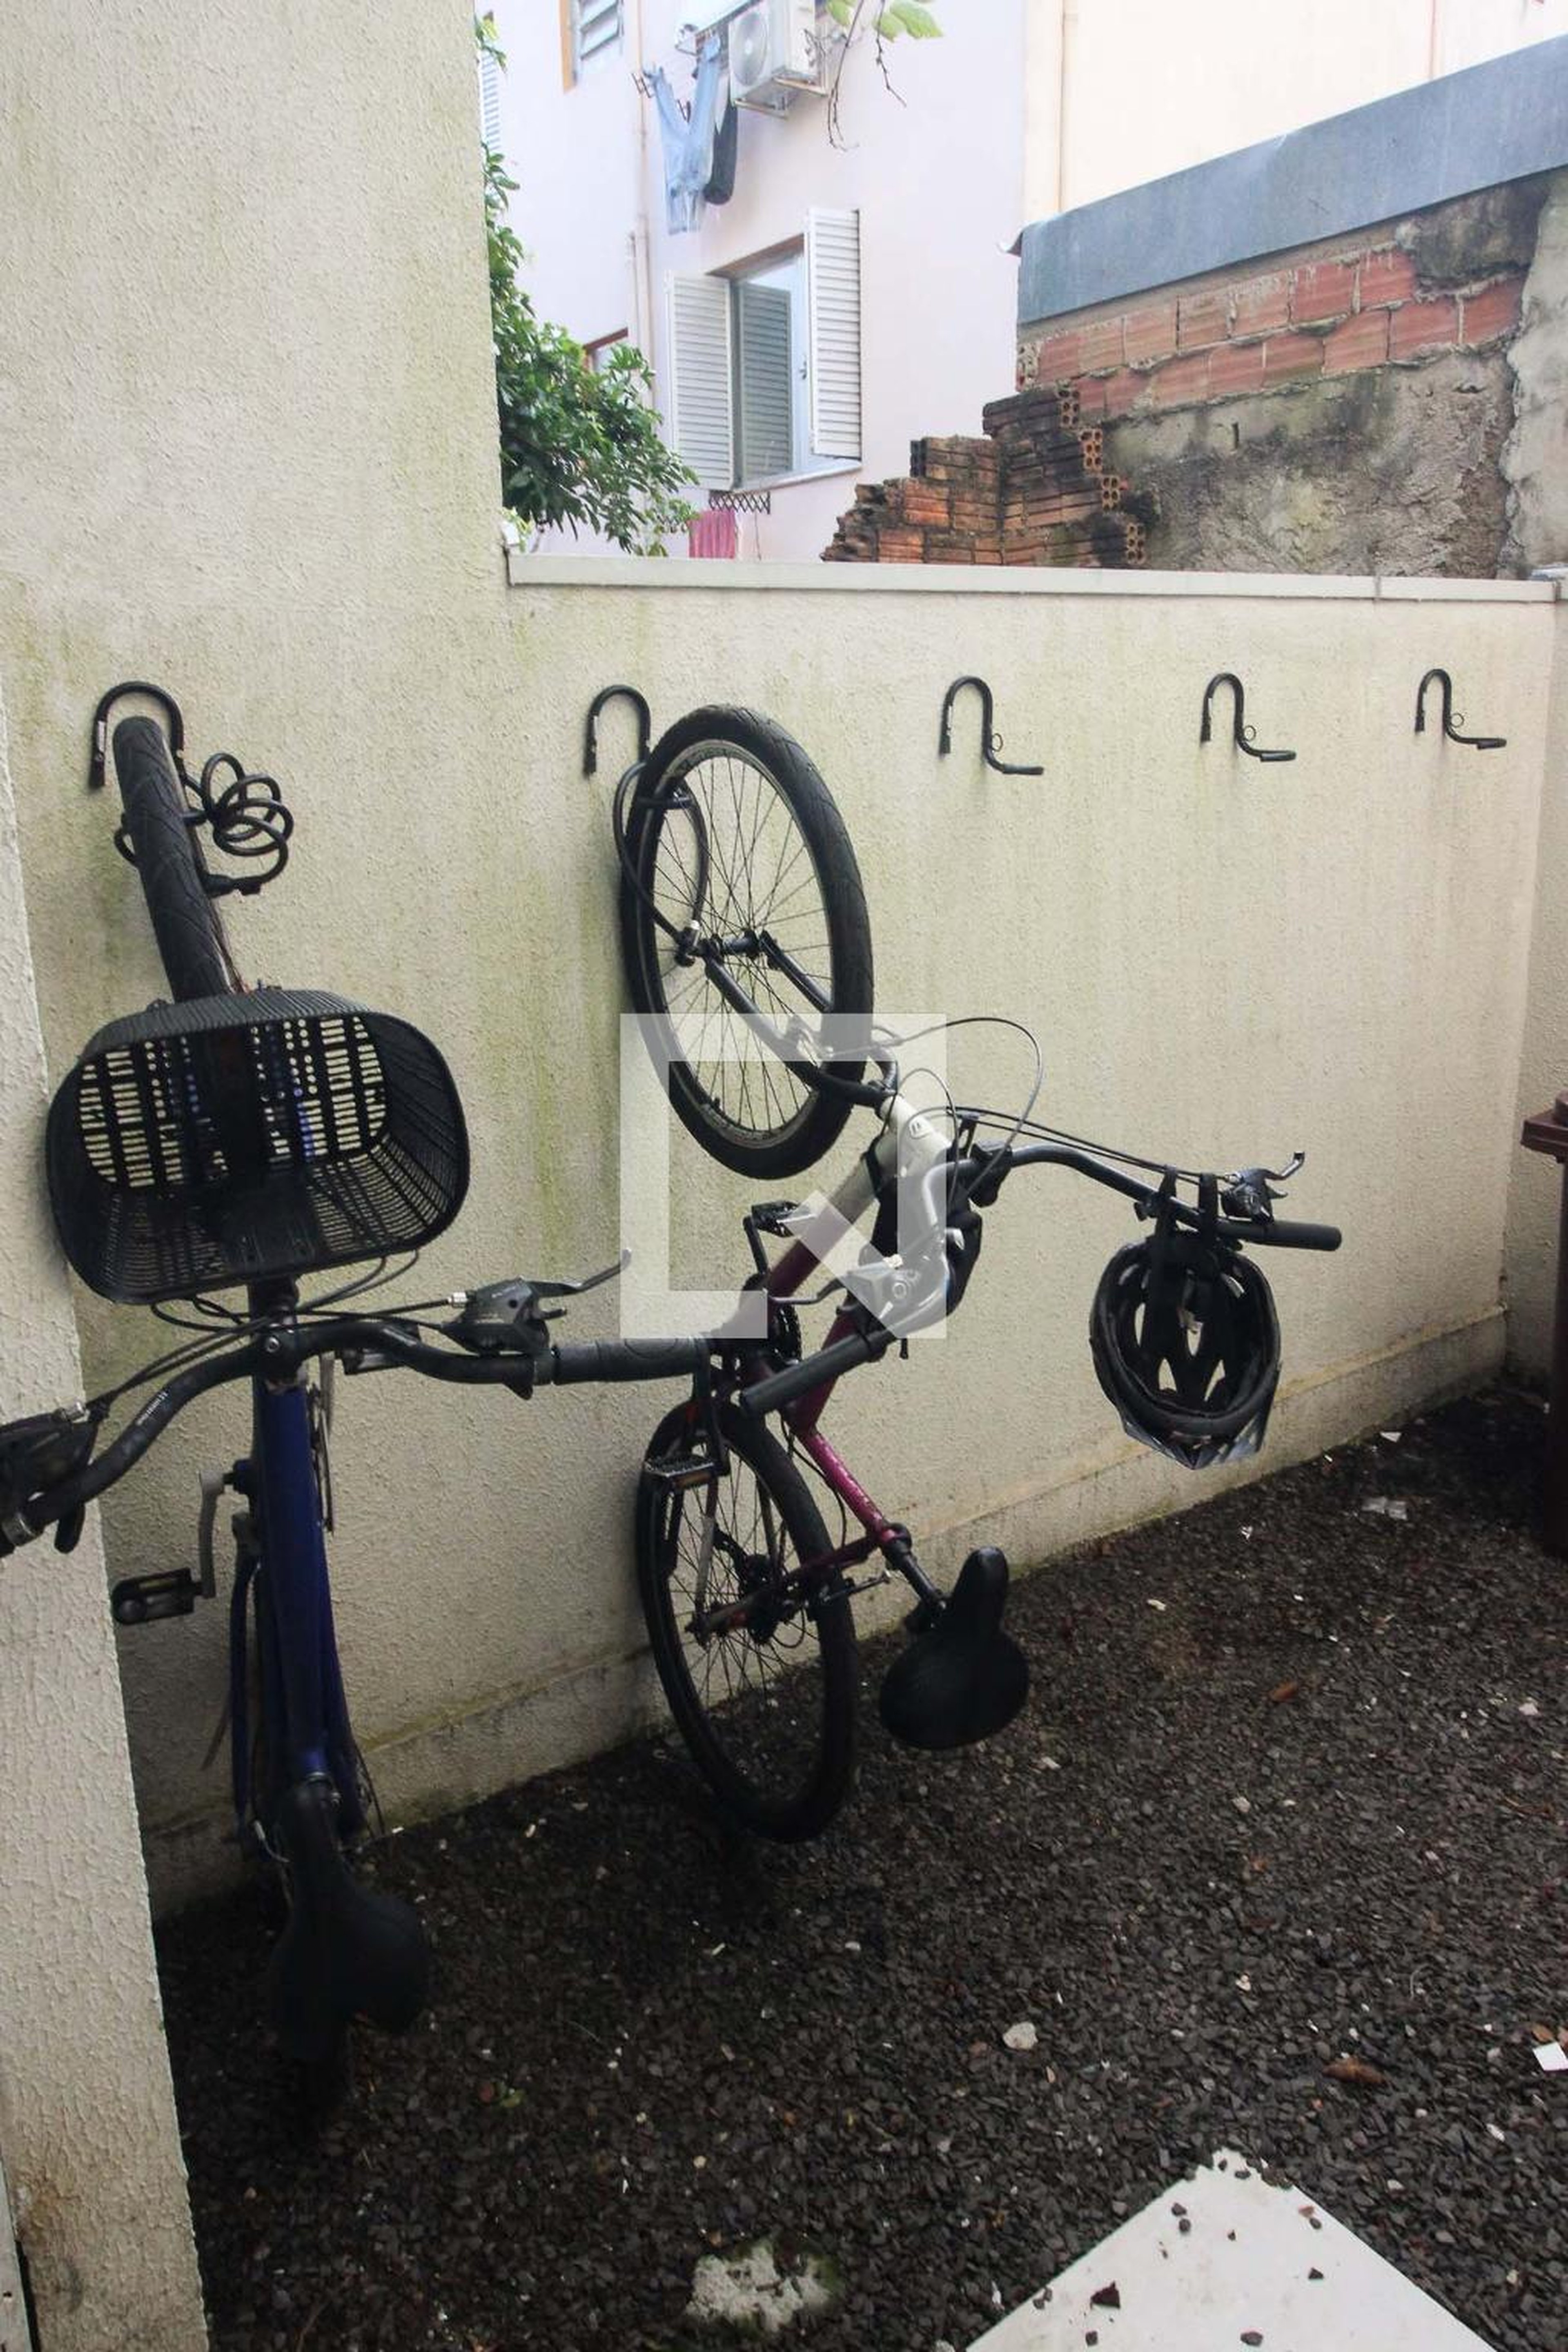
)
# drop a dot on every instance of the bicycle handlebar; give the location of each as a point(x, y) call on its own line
point(363, 1342)
point(798, 1380)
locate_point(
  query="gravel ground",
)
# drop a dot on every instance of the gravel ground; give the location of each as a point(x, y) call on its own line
point(1291, 1788)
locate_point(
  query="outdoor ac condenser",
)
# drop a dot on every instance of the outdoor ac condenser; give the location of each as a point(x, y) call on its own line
point(774, 53)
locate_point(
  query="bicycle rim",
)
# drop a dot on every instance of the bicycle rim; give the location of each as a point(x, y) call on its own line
point(767, 1710)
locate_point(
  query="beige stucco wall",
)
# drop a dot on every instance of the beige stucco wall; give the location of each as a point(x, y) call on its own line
point(90, 2154)
point(249, 411)
point(1537, 1183)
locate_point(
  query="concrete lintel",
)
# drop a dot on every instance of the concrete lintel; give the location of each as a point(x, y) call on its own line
point(1503, 120)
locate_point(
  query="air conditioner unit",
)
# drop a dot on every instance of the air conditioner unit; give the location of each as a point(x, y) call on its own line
point(774, 53)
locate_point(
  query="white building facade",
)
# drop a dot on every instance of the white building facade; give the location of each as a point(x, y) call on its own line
point(855, 289)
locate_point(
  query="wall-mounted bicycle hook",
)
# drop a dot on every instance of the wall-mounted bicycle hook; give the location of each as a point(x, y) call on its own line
point(990, 742)
point(171, 709)
point(591, 739)
point(1452, 720)
point(1241, 732)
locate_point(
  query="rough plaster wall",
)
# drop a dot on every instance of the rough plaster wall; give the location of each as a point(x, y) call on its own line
point(1398, 469)
point(88, 2136)
point(1389, 470)
point(1536, 1187)
point(1535, 460)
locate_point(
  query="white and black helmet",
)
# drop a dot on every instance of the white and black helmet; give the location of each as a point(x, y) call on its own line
point(1186, 1344)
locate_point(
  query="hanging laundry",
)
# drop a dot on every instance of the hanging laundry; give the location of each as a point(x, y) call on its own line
point(688, 136)
point(722, 180)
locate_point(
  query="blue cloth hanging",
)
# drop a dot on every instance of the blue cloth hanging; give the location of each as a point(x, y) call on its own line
point(689, 138)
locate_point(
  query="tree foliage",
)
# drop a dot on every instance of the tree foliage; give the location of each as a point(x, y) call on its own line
point(578, 446)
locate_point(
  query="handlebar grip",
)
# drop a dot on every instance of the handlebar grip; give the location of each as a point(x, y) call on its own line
point(798, 1380)
point(627, 1359)
point(1285, 1233)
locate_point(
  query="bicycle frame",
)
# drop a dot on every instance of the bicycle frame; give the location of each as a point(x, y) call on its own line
point(910, 1148)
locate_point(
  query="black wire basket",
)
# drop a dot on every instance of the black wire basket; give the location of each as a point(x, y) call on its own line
point(236, 1138)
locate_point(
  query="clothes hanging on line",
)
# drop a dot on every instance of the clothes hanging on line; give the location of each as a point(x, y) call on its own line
point(722, 179)
point(700, 141)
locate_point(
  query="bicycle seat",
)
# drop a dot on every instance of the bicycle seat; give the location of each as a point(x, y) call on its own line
point(965, 1678)
point(347, 1951)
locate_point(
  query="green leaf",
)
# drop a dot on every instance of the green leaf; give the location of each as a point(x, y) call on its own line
point(908, 16)
point(841, 11)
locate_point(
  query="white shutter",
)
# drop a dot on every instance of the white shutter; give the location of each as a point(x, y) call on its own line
point(833, 301)
point(765, 389)
point(596, 27)
point(702, 409)
point(489, 101)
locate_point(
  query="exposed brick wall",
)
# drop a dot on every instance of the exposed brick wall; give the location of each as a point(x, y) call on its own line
point(1365, 306)
point(1034, 490)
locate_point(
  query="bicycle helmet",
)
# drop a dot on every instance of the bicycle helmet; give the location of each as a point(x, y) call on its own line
point(1186, 1344)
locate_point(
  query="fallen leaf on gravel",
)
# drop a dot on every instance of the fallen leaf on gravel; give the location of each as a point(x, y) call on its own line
point(1022, 2036)
point(1282, 1692)
point(1386, 1506)
point(1355, 2070)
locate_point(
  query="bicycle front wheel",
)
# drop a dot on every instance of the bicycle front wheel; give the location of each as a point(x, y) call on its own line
point(170, 863)
point(732, 836)
point(767, 1708)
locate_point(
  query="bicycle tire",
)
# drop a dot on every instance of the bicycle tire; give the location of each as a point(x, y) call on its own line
point(170, 864)
point(818, 1722)
point(791, 1124)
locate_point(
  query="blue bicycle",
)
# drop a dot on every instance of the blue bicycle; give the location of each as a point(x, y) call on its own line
point(246, 1138)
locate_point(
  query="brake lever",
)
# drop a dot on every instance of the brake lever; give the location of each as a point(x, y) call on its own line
point(40, 1452)
point(1250, 1192)
point(505, 1318)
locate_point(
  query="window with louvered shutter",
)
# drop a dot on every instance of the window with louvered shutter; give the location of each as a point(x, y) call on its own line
point(490, 101)
point(833, 302)
point(765, 384)
point(595, 29)
point(702, 399)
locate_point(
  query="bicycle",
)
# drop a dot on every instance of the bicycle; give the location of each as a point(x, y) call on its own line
point(741, 910)
point(251, 1137)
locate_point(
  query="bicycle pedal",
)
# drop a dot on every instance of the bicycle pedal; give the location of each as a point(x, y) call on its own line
point(139, 1600)
point(678, 1472)
point(772, 1217)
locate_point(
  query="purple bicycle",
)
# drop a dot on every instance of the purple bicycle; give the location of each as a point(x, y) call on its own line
point(748, 955)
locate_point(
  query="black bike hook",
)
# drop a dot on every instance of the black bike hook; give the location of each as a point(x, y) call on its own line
point(1452, 720)
point(1242, 733)
point(173, 719)
point(990, 742)
point(591, 739)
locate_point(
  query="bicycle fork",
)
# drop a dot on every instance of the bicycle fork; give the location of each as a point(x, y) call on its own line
point(347, 1950)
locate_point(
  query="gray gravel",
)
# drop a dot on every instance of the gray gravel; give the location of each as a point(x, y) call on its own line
point(1300, 1811)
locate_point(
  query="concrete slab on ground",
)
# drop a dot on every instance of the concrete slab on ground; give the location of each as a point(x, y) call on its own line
point(1226, 2258)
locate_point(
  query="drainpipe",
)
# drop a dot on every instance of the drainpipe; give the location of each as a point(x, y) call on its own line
point(642, 278)
point(1069, 18)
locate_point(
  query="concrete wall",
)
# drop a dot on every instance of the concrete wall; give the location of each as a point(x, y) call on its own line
point(90, 2156)
point(1536, 1190)
point(1126, 90)
point(301, 542)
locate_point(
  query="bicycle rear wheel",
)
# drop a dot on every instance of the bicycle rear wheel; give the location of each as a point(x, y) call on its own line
point(731, 834)
point(170, 863)
point(767, 1708)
